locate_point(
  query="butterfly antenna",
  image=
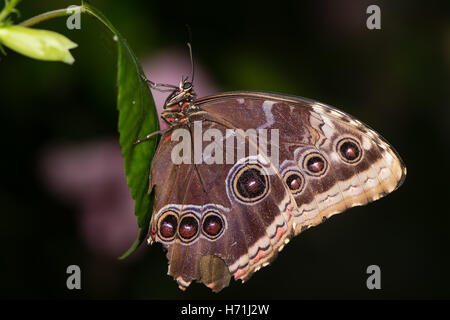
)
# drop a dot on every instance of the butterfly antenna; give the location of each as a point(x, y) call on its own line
point(190, 52)
point(192, 62)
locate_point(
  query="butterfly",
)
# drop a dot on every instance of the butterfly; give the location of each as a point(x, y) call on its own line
point(223, 219)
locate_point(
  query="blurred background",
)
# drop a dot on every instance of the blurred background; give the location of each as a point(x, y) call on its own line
point(64, 199)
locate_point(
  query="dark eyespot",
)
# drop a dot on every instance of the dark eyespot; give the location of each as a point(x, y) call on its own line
point(167, 226)
point(349, 150)
point(188, 228)
point(212, 225)
point(250, 183)
point(294, 181)
point(315, 164)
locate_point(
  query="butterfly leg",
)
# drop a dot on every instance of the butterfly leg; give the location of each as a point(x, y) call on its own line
point(147, 137)
point(157, 86)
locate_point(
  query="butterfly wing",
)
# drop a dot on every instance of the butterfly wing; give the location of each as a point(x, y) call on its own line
point(219, 220)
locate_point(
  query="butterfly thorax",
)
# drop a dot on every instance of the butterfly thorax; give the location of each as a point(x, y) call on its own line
point(179, 104)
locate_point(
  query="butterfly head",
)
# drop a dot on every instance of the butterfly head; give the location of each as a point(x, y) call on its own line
point(184, 93)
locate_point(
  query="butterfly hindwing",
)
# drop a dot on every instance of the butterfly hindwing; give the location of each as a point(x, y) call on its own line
point(253, 226)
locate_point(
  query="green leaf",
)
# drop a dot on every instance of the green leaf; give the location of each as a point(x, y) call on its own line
point(137, 118)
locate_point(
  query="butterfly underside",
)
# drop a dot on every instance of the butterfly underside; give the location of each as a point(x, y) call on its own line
point(224, 220)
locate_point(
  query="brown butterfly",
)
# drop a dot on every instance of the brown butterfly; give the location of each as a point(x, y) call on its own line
point(226, 219)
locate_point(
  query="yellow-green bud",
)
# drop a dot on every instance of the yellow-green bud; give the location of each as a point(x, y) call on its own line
point(37, 44)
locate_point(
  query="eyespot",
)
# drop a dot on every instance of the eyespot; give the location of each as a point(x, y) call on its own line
point(212, 225)
point(188, 228)
point(349, 150)
point(294, 181)
point(167, 225)
point(315, 164)
point(250, 183)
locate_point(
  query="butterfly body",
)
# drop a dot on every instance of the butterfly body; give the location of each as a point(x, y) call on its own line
point(223, 219)
point(179, 104)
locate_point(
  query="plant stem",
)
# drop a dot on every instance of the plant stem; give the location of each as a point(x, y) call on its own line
point(7, 9)
point(49, 15)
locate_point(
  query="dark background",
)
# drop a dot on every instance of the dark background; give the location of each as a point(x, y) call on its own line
point(395, 79)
